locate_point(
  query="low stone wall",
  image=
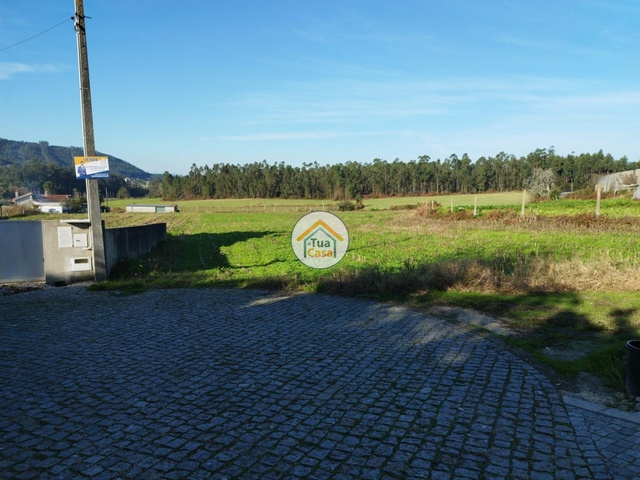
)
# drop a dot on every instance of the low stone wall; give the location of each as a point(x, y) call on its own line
point(131, 242)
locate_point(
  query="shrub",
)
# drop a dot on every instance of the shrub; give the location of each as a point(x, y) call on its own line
point(75, 205)
point(346, 206)
point(428, 209)
point(460, 214)
point(403, 207)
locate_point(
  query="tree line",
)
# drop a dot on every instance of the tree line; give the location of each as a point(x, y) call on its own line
point(352, 180)
point(343, 181)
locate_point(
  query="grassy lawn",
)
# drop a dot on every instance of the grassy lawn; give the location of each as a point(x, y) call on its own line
point(565, 281)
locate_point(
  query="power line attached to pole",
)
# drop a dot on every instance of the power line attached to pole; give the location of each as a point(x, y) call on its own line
point(93, 193)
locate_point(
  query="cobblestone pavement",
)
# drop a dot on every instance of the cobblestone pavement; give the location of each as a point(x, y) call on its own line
point(250, 384)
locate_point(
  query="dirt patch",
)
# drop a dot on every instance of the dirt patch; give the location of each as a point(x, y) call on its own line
point(471, 317)
point(591, 389)
point(570, 351)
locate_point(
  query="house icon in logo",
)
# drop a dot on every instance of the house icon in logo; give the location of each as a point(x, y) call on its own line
point(320, 240)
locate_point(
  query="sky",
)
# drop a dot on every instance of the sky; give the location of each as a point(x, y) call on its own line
point(182, 82)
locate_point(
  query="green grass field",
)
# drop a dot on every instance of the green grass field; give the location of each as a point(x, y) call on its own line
point(216, 206)
point(561, 278)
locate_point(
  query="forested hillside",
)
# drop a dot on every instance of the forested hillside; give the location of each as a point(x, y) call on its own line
point(423, 176)
point(14, 152)
point(40, 176)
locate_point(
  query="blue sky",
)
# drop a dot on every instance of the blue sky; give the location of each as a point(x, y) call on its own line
point(182, 82)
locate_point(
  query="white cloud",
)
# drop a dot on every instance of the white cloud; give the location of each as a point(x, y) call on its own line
point(605, 99)
point(278, 136)
point(9, 69)
point(363, 101)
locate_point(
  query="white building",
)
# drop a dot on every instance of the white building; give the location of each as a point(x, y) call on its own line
point(44, 203)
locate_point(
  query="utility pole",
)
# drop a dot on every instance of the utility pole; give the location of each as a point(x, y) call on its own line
point(93, 192)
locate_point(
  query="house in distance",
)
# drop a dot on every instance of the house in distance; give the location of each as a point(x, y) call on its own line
point(44, 203)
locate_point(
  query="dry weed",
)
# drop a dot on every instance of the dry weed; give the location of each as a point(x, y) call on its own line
point(546, 275)
point(500, 275)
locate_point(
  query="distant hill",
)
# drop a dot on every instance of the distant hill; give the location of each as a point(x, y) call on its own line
point(12, 151)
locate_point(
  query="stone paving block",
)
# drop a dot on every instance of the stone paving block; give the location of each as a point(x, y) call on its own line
point(248, 384)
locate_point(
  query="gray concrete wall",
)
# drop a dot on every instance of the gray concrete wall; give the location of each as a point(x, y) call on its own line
point(67, 252)
point(59, 252)
point(131, 242)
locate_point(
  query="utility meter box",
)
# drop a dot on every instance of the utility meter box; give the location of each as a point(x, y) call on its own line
point(80, 240)
point(80, 264)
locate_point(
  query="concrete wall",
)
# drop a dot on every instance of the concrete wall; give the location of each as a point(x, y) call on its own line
point(59, 251)
point(68, 257)
point(131, 242)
